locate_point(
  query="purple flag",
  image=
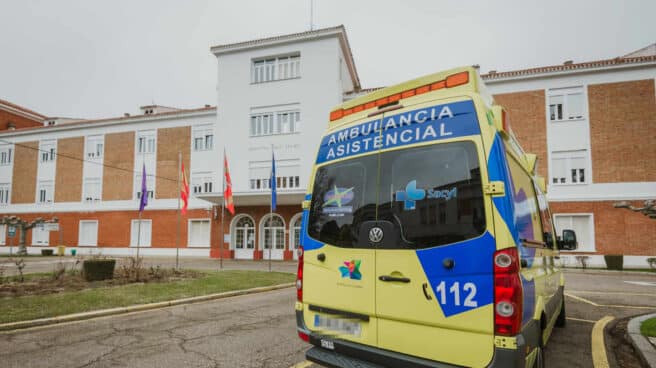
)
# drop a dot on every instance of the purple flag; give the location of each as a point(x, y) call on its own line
point(144, 190)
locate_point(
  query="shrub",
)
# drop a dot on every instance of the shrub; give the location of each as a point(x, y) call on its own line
point(652, 262)
point(614, 262)
point(98, 269)
point(46, 252)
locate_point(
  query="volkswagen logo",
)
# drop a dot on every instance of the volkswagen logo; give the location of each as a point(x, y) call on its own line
point(376, 234)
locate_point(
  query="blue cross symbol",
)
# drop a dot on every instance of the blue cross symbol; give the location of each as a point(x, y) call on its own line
point(410, 195)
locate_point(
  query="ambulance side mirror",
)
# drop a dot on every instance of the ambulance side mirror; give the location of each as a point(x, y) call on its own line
point(567, 241)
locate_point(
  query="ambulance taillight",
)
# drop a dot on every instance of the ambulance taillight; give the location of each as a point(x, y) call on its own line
point(508, 293)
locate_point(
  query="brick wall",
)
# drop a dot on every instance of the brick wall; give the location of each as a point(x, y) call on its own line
point(23, 186)
point(118, 173)
point(114, 227)
point(623, 131)
point(170, 141)
point(68, 177)
point(526, 111)
point(18, 121)
point(617, 231)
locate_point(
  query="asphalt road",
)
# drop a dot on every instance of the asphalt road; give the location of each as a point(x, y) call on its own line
point(259, 331)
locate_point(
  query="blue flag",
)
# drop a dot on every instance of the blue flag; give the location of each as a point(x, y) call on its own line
point(272, 181)
point(144, 190)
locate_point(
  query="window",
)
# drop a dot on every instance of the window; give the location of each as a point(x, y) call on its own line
point(245, 233)
point(44, 192)
point(201, 183)
point(569, 167)
point(5, 190)
point(88, 235)
point(526, 208)
point(94, 147)
point(140, 235)
point(199, 233)
point(296, 233)
point(566, 104)
point(445, 206)
point(582, 224)
point(269, 123)
point(274, 233)
point(91, 189)
point(5, 155)
point(48, 151)
point(275, 68)
point(3, 234)
point(287, 171)
point(146, 142)
point(203, 139)
point(150, 185)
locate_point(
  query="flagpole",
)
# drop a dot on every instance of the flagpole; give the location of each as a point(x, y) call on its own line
point(143, 172)
point(222, 212)
point(177, 231)
point(271, 184)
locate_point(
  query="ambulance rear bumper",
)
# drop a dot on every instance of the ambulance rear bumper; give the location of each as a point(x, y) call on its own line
point(347, 354)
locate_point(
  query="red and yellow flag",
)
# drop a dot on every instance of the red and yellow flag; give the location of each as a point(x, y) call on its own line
point(184, 192)
point(227, 193)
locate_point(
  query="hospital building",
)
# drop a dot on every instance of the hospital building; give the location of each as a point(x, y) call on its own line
point(592, 125)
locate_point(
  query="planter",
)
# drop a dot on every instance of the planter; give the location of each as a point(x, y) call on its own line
point(98, 269)
point(614, 262)
point(47, 252)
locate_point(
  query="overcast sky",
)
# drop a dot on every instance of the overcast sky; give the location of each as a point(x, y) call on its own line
point(94, 59)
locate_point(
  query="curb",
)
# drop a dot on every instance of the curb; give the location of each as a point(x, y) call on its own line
point(646, 351)
point(135, 308)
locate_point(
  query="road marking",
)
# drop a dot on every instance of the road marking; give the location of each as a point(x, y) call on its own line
point(641, 283)
point(610, 293)
point(608, 305)
point(599, 358)
point(304, 364)
point(580, 320)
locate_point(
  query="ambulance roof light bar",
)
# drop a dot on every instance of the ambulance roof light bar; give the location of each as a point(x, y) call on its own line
point(452, 80)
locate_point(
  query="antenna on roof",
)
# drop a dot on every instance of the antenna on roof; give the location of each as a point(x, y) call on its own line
point(311, 15)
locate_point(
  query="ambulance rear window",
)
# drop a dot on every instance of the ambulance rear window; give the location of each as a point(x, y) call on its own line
point(432, 195)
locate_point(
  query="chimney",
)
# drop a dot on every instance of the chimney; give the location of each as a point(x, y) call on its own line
point(126, 115)
point(568, 62)
point(476, 66)
point(207, 106)
point(492, 72)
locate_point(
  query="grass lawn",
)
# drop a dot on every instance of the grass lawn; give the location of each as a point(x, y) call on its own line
point(648, 327)
point(41, 306)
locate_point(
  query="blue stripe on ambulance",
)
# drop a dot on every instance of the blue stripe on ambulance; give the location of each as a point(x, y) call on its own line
point(472, 267)
point(498, 170)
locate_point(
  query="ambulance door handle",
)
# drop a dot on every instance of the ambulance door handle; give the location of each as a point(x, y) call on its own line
point(424, 287)
point(386, 278)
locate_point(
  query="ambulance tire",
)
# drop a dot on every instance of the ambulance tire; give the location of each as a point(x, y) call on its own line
point(561, 321)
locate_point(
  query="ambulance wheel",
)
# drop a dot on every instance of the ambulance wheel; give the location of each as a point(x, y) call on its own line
point(562, 317)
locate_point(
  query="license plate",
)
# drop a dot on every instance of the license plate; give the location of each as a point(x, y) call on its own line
point(338, 325)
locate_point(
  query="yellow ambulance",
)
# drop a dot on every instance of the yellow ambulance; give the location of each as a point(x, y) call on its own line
point(426, 239)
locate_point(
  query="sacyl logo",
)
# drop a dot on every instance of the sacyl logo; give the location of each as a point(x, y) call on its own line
point(411, 195)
